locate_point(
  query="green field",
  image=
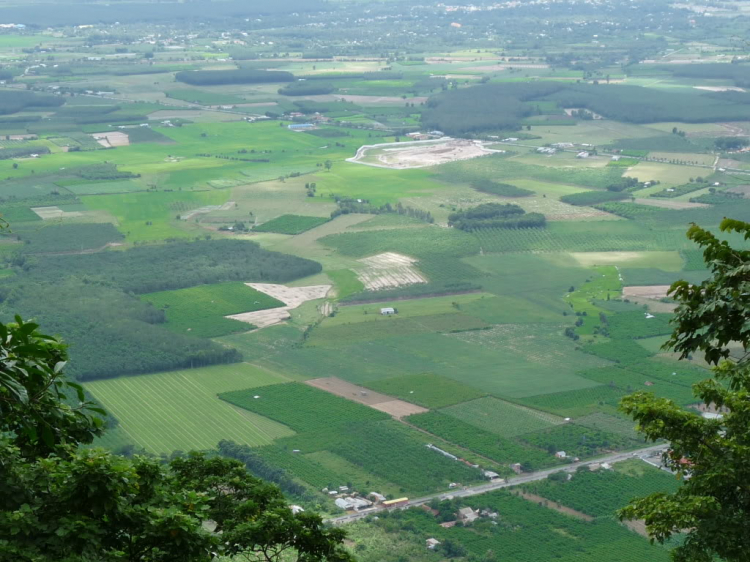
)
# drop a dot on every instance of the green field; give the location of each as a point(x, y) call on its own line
point(303, 408)
point(179, 410)
point(502, 418)
point(428, 390)
point(290, 224)
point(200, 311)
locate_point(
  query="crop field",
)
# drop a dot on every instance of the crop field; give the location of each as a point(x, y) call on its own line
point(179, 410)
point(399, 455)
point(502, 418)
point(290, 224)
point(486, 443)
point(530, 532)
point(394, 327)
point(577, 403)
point(428, 390)
point(303, 408)
point(200, 310)
point(638, 325)
point(578, 441)
point(581, 237)
point(603, 492)
point(611, 424)
point(632, 381)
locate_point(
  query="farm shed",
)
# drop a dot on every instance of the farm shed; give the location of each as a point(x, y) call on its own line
point(387, 311)
point(301, 126)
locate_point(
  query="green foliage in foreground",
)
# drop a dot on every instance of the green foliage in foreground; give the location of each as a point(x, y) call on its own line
point(63, 502)
point(290, 224)
point(711, 507)
point(200, 311)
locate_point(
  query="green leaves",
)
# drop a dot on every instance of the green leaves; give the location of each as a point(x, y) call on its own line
point(711, 509)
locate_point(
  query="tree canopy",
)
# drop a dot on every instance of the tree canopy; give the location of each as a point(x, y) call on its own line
point(61, 501)
point(711, 510)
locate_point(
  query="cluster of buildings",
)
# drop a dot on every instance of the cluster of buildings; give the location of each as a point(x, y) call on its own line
point(352, 501)
point(417, 136)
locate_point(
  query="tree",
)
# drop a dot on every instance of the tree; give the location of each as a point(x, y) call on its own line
point(712, 507)
point(328, 164)
point(62, 502)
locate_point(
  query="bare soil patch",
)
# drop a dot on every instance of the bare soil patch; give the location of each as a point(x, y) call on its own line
point(292, 297)
point(420, 154)
point(553, 505)
point(384, 403)
point(669, 203)
point(113, 139)
point(719, 88)
point(54, 212)
point(639, 526)
point(389, 270)
point(744, 189)
point(646, 291)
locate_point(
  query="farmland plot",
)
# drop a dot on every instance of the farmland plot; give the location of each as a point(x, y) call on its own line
point(382, 402)
point(179, 409)
point(502, 418)
point(389, 270)
point(292, 297)
point(420, 154)
point(431, 391)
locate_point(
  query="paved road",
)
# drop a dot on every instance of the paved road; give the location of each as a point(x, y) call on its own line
point(492, 486)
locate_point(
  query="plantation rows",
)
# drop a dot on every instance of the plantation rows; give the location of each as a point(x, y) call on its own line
point(391, 453)
point(290, 224)
point(630, 381)
point(521, 523)
point(550, 240)
point(483, 442)
point(302, 407)
point(575, 403)
point(619, 351)
point(636, 325)
point(601, 493)
point(301, 466)
point(577, 441)
point(628, 210)
point(428, 390)
point(500, 417)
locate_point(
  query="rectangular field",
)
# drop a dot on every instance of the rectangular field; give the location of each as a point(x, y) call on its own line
point(290, 224)
point(179, 410)
point(303, 408)
point(502, 418)
point(428, 390)
point(200, 311)
point(382, 402)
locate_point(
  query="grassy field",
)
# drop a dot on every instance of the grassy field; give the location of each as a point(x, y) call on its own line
point(200, 311)
point(502, 418)
point(179, 410)
point(430, 391)
point(302, 407)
